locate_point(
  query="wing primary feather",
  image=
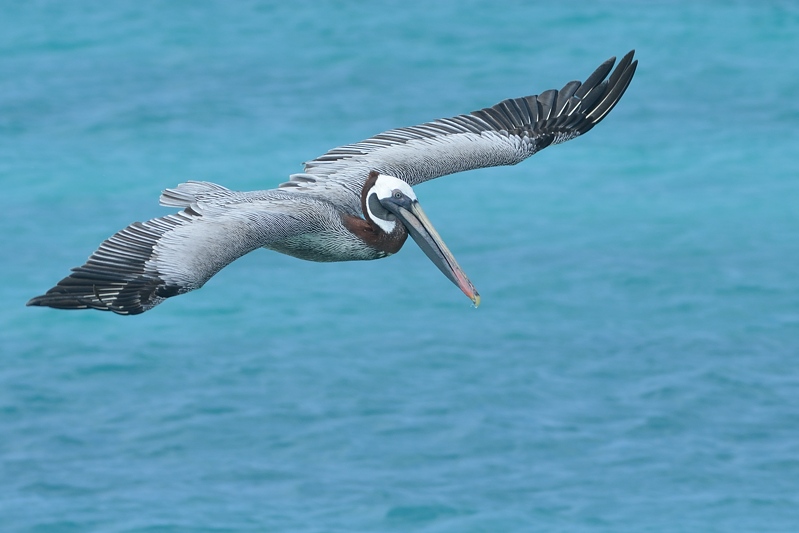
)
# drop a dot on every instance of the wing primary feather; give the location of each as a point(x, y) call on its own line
point(596, 94)
point(534, 107)
point(595, 78)
point(515, 115)
point(564, 95)
point(620, 68)
point(523, 110)
point(612, 98)
point(547, 101)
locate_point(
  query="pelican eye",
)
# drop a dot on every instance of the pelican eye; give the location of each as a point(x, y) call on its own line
point(398, 194)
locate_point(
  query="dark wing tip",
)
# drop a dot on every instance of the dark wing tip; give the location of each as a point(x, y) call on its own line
point(74, 293)
point(599, 94)
point(616, 87)
point(555, 116)
point(58, 301)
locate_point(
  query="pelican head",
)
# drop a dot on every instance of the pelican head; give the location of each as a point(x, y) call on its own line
point(392, 206)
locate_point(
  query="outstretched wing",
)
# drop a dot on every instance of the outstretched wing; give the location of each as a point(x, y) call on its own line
point(504, 134)
point(147, 262)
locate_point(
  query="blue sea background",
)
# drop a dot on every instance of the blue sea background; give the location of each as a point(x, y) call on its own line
point(634, 365)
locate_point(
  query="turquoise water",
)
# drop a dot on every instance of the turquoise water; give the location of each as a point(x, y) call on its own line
point(634, 365)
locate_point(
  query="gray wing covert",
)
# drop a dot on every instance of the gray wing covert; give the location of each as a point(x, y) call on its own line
point(504, 134)
point(138, 267)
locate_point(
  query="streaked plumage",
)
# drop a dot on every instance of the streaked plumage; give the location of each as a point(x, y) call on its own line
point(321, 214)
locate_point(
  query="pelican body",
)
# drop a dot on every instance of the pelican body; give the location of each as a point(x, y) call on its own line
point(355, 202)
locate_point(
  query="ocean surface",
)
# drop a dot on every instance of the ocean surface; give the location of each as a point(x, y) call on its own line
point(634, 365)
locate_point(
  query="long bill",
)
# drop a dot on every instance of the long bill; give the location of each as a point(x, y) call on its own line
point(433, 246)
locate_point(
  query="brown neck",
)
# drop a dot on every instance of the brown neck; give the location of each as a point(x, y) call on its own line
point(374, 237)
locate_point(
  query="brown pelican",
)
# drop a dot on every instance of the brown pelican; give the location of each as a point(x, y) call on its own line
point(353, 203)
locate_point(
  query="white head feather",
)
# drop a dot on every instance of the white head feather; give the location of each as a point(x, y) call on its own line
point(385, 186)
